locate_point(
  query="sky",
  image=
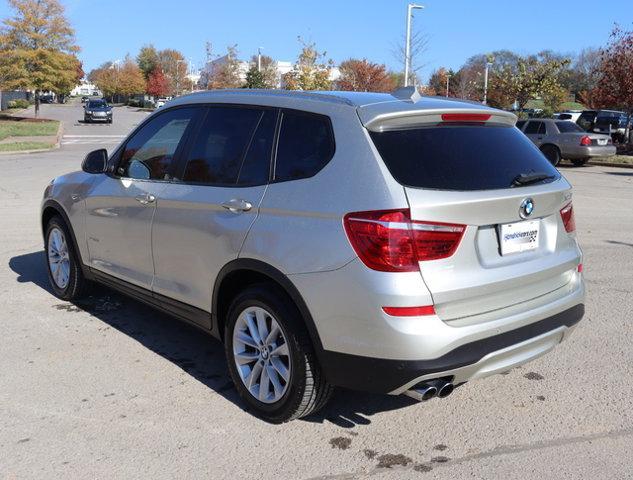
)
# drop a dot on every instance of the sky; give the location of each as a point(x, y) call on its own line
point(456, 29)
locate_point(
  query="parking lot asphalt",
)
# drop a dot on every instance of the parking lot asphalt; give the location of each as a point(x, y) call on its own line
point(109, 388)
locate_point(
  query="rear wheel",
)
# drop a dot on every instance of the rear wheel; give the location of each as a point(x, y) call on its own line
point(552, 154)
point(270, 356)
point(64, 271)
point(579, 162)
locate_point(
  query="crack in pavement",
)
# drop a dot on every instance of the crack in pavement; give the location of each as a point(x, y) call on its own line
point(498, 451)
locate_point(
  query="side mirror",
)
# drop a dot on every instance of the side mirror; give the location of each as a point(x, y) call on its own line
point(96, 161)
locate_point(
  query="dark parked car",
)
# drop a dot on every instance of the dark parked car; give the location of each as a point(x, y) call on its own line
point(97, 110)
point(609, 122)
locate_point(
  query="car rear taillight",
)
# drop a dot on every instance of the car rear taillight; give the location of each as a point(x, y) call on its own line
point(567, 214)
point(585, 141)
point(389, 241)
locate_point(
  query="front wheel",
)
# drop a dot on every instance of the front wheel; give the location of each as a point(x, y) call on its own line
point(64, 271)
point(270, 356)
point(552, 154)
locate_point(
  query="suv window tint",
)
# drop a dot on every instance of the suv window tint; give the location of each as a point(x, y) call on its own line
point(535, 128)
point(219, 147)
point(256, 166)
point(305, 145)
point(149, 152)
point(568, 127)
point(586, 119)
point(564, 116)
point(460, 157)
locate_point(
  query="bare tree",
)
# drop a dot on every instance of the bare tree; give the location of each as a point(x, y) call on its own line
point(419, 46)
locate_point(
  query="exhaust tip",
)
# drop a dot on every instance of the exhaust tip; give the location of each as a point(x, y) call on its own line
point(422, 393)
point(445, 390)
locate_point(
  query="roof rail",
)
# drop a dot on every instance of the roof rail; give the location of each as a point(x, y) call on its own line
point(407, 93)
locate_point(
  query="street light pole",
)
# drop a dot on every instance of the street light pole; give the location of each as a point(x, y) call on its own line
point(485, 102)
point(259, 59)
point(448, 79)
point(407, 46)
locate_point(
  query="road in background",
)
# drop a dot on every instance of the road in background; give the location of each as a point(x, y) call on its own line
point(112, 389)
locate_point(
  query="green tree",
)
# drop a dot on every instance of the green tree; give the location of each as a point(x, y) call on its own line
point(255, 79)
point(37, 48)
point(147, 60)
point(312, 70)
point(268, 69)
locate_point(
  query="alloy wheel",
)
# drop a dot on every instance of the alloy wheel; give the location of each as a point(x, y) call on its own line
point(58, 258)
point(261, 355)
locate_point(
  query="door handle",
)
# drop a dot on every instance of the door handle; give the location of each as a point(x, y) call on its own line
point(145, 199)
point(237, 205)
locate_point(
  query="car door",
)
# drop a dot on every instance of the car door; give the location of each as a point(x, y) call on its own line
point(120, 206)
point(202, 220)
point(535, 131)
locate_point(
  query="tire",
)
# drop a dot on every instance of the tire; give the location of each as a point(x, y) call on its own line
point(67, 283)
point(579, 162)
point(304, 390)
point(86, 120)
point(552, 154)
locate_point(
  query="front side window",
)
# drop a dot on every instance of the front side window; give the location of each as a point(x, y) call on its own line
point(306, 145)
point(149, 153)
point(217, 156)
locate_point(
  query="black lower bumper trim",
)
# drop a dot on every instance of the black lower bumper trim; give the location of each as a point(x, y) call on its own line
point(385, 375)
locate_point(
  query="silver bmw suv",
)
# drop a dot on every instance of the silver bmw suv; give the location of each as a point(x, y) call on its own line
point(382, 242)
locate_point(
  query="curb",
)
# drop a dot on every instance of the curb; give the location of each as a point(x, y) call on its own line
point(607, 164)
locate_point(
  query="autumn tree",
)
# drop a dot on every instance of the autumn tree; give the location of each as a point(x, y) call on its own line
point(37, 48)
point(615, 74)
point(174, 67)
point(225, 71)
point(364, 76)
point(157, 84)
point(147, 60)
point(312, 70)
point(115, 79)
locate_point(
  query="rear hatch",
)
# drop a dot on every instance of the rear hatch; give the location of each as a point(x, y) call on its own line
point(482, 173)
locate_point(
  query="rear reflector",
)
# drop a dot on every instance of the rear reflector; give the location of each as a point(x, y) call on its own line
point(409, 311)
point(567, 214)
point(389, 241)
point(465, 117)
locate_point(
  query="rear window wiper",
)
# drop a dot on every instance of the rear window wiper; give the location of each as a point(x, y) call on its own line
point(523, 179)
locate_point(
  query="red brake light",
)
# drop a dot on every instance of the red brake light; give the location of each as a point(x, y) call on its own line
point(585, 141)
point(409, 311)
point(389, 241)
point(465, 117)
point(567, 214)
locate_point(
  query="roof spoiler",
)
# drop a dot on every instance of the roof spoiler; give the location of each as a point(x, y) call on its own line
point(410, 94)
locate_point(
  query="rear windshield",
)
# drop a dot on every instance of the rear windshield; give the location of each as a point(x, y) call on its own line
point(460, 157)
point(568, 127)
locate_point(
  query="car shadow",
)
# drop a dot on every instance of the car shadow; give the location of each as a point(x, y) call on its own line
point(199, 355)
point(620, 174)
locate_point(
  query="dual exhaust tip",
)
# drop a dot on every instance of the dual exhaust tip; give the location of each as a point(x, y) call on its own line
point(432, 388)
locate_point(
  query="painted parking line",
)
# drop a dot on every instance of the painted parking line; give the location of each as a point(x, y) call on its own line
point(94, 136)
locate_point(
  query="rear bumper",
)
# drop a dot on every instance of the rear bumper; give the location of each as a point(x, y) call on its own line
point(469, 361)
point(588, 152)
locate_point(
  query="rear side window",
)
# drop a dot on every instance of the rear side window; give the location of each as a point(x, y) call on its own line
point(306, 145)
point(218, 151)
point(568, 127)
point(535, 128)
point(460, 157)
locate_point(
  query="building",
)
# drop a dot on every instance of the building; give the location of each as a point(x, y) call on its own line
point(85, 89)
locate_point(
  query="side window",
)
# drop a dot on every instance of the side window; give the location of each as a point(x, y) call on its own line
point(520, 124)
point(256, 166)
point(533, 127)
point(218, 150)
point(149, 153)
point(305, 145)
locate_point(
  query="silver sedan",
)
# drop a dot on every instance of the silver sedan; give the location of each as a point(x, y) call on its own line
point(560, 139)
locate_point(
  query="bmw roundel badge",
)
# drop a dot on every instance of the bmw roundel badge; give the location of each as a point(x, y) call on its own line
point(526, 208)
